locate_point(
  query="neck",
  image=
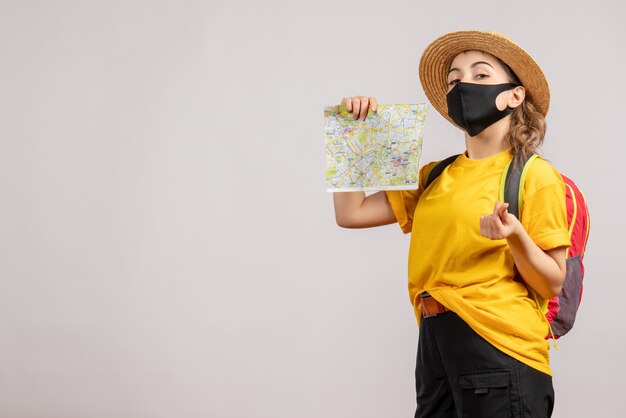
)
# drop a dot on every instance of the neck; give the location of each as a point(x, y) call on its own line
point(490, 141)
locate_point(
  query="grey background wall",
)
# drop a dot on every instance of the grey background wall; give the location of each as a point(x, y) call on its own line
point(167, 246)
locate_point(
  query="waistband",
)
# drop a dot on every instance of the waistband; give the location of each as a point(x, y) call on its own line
point(430, 306)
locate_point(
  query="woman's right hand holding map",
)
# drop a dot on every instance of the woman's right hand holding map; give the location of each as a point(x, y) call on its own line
point(359, 105)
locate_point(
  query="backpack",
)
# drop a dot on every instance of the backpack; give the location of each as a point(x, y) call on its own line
point(560, 311)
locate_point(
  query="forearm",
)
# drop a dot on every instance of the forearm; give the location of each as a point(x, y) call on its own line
point(543, 272)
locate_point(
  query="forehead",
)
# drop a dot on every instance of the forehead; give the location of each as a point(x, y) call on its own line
point(467, 58)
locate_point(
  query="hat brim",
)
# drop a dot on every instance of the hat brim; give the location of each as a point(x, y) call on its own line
point(437, 58)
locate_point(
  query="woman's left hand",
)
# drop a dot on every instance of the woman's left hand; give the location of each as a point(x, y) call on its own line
point(500, 224)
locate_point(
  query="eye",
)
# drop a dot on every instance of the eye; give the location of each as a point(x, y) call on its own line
point(481, 76)
point(453, 82)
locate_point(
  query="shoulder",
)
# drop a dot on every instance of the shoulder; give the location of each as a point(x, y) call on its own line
point(425, 171)
point(544, 209)
point(540, 174)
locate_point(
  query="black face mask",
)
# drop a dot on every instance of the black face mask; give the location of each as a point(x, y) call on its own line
point(473, 106)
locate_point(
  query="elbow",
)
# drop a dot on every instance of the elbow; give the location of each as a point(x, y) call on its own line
point(351, 221)
point(555, 288)
point(553, 291)
point(344, 222)
point(556, 276)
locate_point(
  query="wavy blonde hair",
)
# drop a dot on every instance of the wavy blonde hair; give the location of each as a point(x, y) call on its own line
point(528, 126)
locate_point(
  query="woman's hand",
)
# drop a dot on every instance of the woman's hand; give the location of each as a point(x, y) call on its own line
point(358, 106)
point(544, 271)
point(500, 224)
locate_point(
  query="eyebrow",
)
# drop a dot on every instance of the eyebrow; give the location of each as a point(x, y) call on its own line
point(472, 66)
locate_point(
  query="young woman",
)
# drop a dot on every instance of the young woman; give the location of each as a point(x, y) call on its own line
point(482, 350)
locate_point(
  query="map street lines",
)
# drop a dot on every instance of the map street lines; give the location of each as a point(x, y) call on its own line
point(380, 153)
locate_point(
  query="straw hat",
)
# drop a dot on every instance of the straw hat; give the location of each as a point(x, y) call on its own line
point(437, 57)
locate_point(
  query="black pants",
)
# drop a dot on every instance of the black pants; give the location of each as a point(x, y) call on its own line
point(459, 374)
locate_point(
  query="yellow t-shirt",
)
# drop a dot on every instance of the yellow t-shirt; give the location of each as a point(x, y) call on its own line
point(473, 275)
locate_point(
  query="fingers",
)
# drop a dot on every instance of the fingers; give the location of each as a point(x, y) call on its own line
point(364, 105)
point(503, 210)
point(500, 209)
point(499, 224)
point(486, 226)
point(359, 106)
point(496, 207)
point(348, 102)
point(483, 226)
point(490, 226)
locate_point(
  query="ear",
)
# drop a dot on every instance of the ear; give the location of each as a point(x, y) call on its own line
point(518, 94)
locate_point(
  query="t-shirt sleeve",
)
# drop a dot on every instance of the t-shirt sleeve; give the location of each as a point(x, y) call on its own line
point(403, 202)
point(544, 214)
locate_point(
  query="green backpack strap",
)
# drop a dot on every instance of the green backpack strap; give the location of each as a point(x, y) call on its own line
point(512, 183)
point(511, 192)
point(438, 169)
